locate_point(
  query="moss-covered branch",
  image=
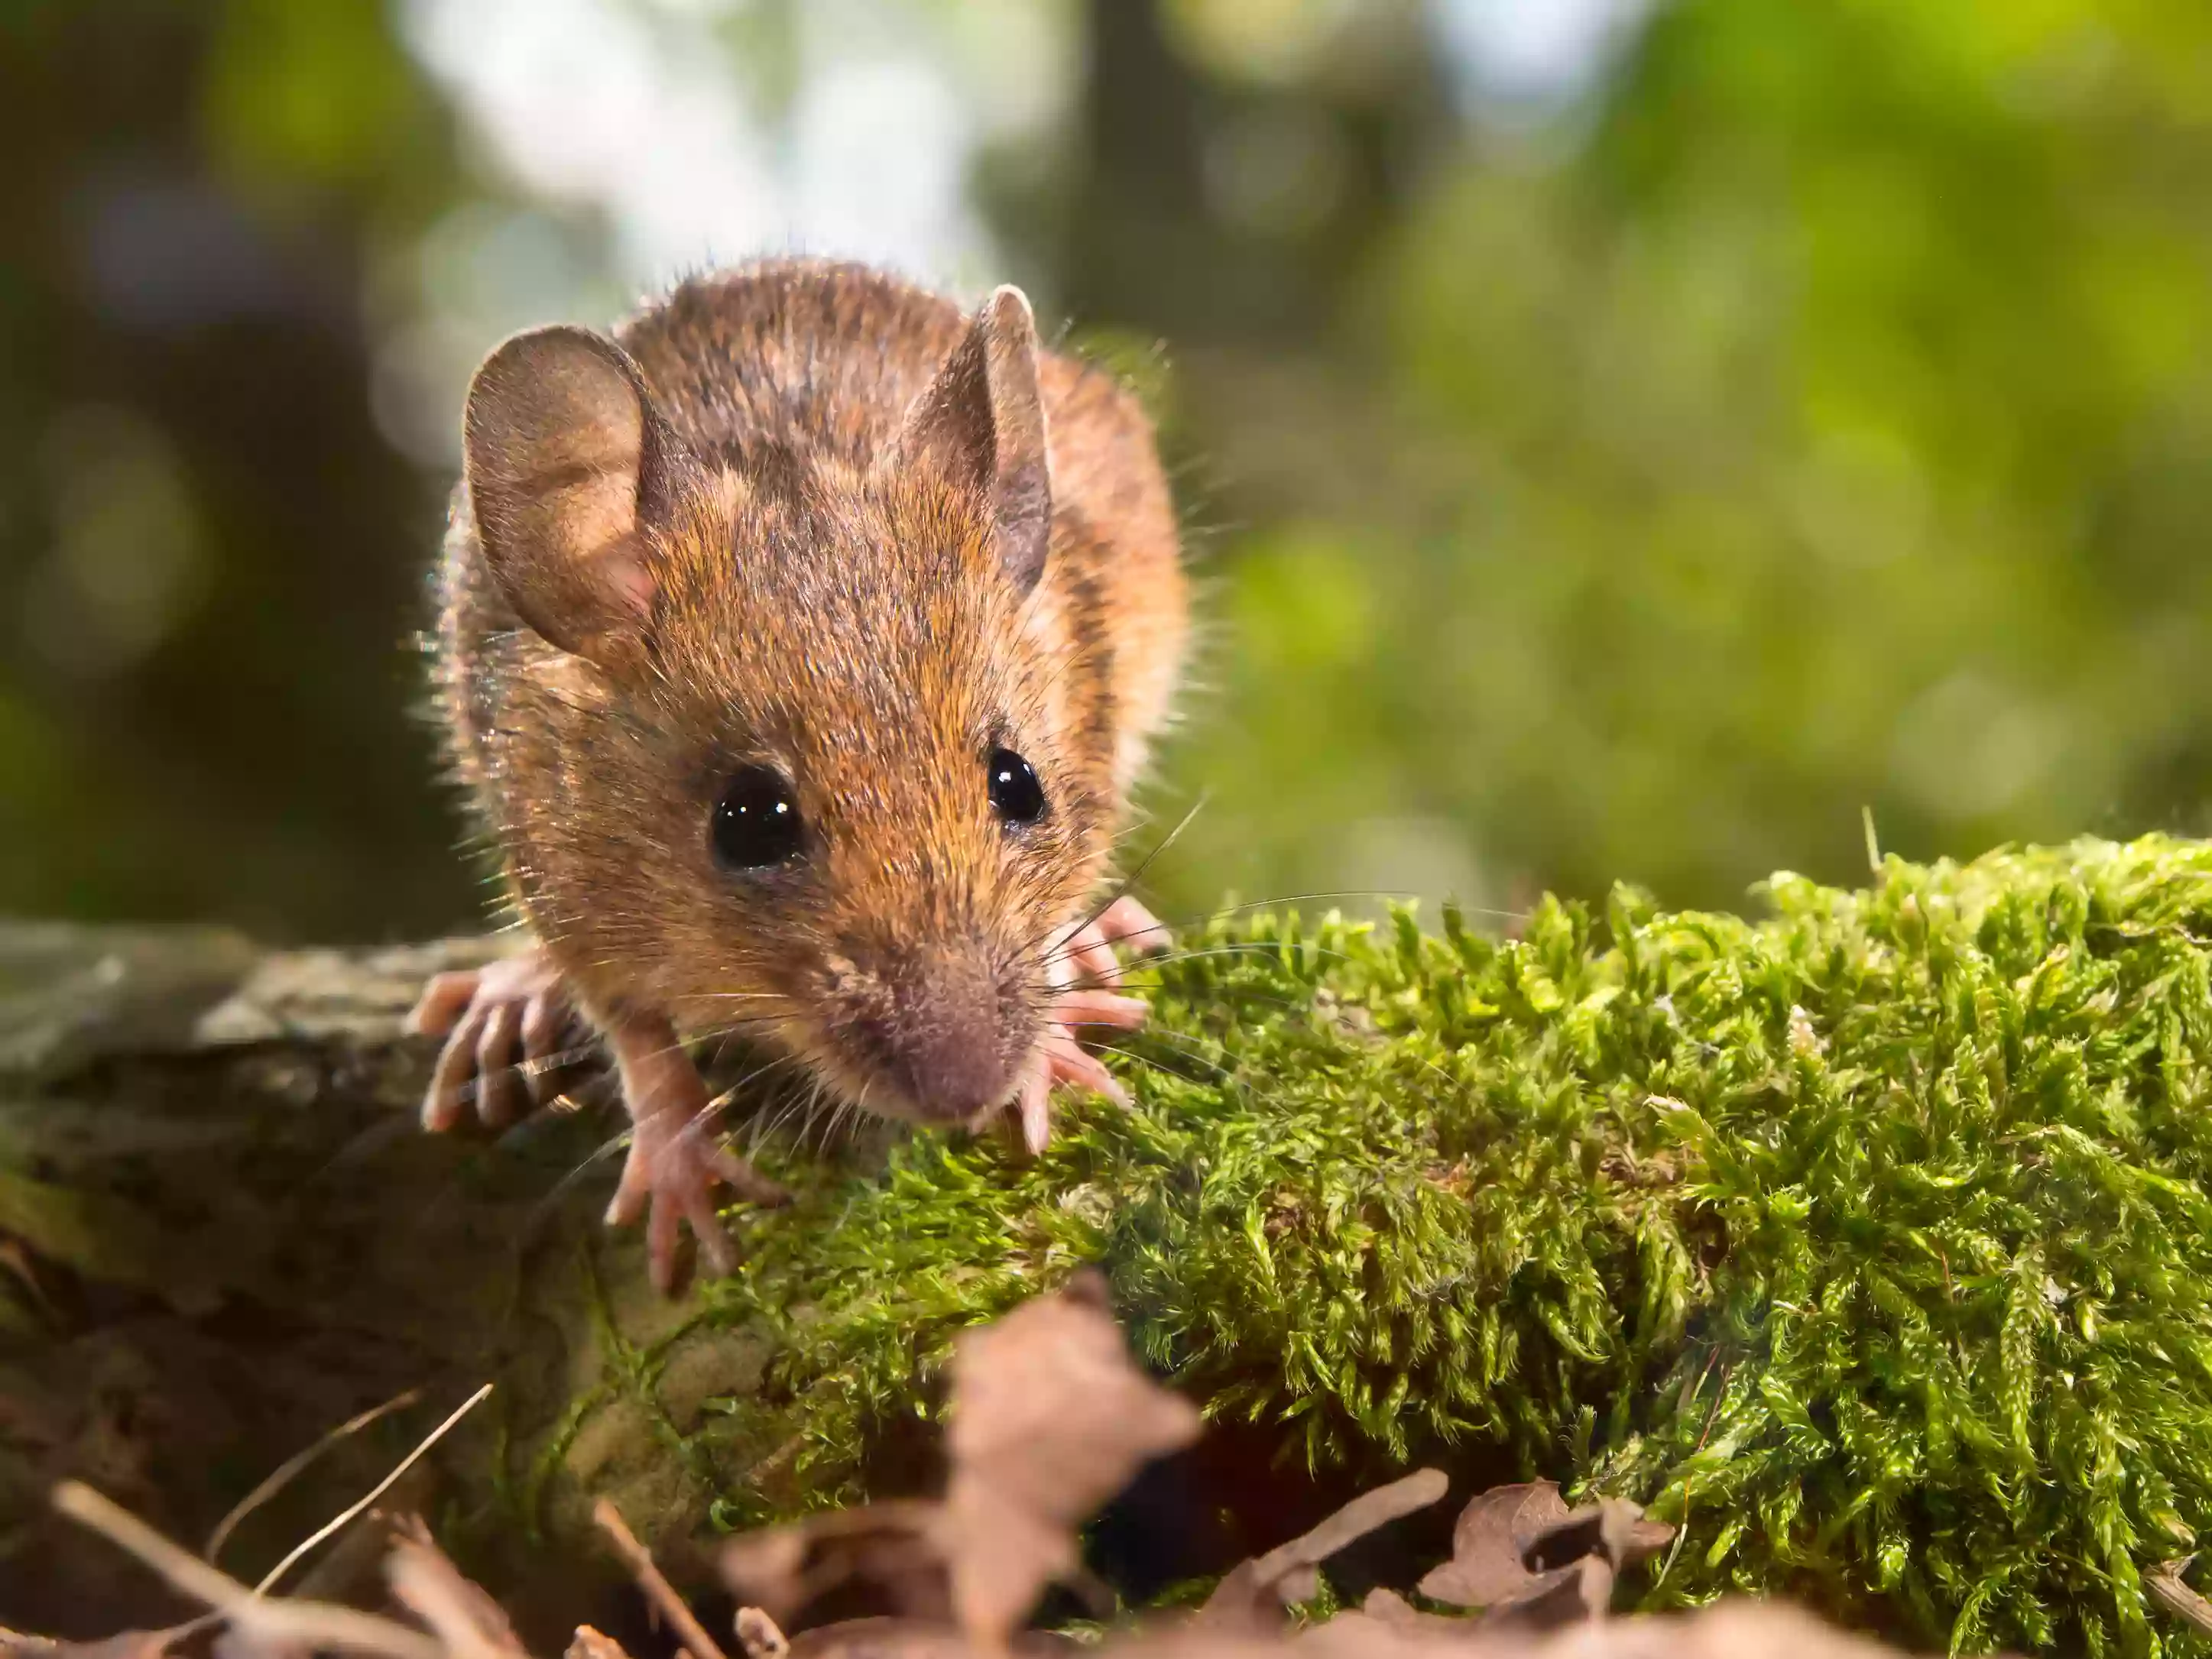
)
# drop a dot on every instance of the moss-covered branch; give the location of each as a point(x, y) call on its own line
point(1867, 1240)
point(1870, 1241)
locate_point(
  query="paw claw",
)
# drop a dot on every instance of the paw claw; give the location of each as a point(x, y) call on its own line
point(452, 1079)
point(1085, 958)
point(673, 1167)
point(1125, 921)
point(497, 1084)
point(445, 998)
point(502, 1025)
point(1031, 1106)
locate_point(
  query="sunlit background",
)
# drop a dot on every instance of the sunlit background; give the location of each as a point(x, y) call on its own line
point(1617, 440)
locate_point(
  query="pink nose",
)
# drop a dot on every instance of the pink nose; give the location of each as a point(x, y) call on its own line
point(937, 1029)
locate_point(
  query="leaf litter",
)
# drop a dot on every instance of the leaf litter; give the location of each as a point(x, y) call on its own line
point(1049, 1419)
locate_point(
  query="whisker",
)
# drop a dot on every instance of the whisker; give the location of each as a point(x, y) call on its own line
point(1242, 947)
point(1398, 894)
point(1125, 882)
point(768, 1124)
point(1136, 1059)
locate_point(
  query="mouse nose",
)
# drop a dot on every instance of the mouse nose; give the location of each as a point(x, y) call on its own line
point(941, 1034)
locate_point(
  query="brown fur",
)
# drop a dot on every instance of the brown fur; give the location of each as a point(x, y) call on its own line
point(853, 625)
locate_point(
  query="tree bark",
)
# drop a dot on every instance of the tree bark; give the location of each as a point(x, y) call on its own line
point(222, 1233)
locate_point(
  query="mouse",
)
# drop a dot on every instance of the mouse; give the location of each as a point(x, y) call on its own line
point(798, 642)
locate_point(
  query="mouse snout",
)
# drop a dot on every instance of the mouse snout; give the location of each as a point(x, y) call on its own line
point(934, 1023)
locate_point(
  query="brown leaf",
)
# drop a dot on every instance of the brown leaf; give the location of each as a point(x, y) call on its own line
point(1613, 1527)
point(1386, 1607)
point(1049, 1419)
point(1387, 1626)
point(1521, 1554)
point(1578, 1593)
point(1255, 1593)
point(913, 1639)
point(759, 1635)
point(892, 1545)
point(1488, 1541)
point(125, 1645)
point(1734, 1629)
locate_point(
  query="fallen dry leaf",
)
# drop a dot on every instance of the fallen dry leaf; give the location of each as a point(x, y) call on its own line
point(1613, 1527)
point(894, 1546)
point(1391, 1611)
point(1519, 1553)
point(1576, 1593)
point(1254, 1594)
point(1049, 1419)
point(1735, 1629)
point(913, 1639)
point(759, 1635)
point(1489, 1542)
point(1389, 1608)
point(125, 1645)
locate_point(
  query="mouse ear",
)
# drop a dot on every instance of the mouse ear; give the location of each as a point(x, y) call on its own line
point(983, 420)
point(565, 461)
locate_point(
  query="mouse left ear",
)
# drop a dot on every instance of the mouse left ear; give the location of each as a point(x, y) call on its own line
point(983, 420)
point(568, 464)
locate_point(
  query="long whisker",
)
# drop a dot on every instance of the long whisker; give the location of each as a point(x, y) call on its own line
point(1245, 947)
point(1125, 884)
point(767, 1126)
point(1136, 1059)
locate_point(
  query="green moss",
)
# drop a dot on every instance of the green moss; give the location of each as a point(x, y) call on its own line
point(1871, 1240)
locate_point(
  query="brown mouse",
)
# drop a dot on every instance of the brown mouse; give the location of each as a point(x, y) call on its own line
point(798, 645)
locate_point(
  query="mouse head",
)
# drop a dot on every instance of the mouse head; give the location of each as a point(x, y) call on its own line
point(811, 772)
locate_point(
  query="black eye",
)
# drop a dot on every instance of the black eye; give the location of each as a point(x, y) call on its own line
point(1016, 794)
point(757, 820)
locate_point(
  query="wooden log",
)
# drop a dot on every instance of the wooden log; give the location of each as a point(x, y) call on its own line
point(222, 1233)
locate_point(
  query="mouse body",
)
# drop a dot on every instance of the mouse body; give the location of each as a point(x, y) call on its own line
point(798, 643)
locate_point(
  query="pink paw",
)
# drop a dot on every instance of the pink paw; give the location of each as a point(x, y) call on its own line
point(674, 1164)
point(509, 1028)
point(1061, 1058)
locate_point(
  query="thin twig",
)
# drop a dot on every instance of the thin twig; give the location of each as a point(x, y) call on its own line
point(429, 1586)
point(2166, 1587)
point(291, 1466)
point(382, 1486)
point(278, 1622)
point(657, 1590)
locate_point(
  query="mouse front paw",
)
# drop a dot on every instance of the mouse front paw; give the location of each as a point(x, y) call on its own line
point(675, 1163)
point(670, 1178)
point(512, 1041)
point(1061, 1059)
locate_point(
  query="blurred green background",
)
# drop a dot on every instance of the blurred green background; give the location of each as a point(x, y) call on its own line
point(1620, 439)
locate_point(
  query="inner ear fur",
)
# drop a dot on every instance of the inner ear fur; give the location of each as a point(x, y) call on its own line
point(566, 463)
point(981, 421)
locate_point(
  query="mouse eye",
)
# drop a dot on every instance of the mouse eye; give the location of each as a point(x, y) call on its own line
point(756, 822)
point(1016, 795)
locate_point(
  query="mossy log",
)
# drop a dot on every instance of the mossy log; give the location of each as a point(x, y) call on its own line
point(1867, 1240)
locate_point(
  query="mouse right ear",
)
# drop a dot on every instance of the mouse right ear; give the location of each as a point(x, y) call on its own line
point(565, 459)
point(983, 420)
